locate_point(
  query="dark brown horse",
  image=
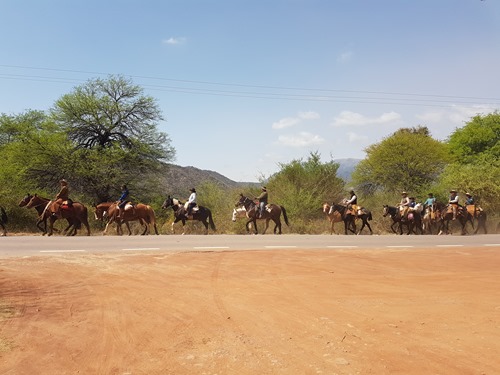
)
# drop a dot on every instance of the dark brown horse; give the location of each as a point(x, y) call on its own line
point(40, 204)
point(139, 212)
point(3, 221)
point(413, 220)
point(347, 216)
point(271, 212)
point(200, 213)
point(462, 217)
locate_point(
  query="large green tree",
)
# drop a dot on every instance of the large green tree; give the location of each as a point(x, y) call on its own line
point(409, 159)
point(475, 167)
point(302, 186)
point(113, 128)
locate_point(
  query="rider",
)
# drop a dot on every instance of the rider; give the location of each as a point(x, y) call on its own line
point(430, 201)
point(122, 201)
point(61, 197)
point(453, 202)
point(191, 202)
point(262, 198)
point(469, 200)
point(404, 204)
point(352, 203)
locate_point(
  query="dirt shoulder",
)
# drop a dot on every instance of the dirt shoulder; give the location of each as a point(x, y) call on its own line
point(428, 311)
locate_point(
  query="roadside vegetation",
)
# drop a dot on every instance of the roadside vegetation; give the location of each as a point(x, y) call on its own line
point(105, 133)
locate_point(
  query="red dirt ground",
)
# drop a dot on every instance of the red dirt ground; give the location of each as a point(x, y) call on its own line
point(434, 311)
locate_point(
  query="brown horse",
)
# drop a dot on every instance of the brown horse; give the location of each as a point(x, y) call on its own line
point(271, 212)
point(3, 221)
point(40, 204)
point(139, 212)
point(77, 213)
point(334, 217)
point(476, 213)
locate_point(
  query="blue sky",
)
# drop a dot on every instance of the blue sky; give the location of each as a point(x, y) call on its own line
point(247, 85)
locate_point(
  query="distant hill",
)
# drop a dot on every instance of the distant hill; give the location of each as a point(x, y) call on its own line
point(346, 168)
point(178, 180)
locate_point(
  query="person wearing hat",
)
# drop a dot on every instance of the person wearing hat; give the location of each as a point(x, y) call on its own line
point(404, 204)
point(122, 201)
point(61, 197)
point(429, 202)
point(453, 202)
point(352, 203)
point(262, 198)
point(469, 200)
point(191, 202)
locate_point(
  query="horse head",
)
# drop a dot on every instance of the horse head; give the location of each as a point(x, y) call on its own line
point(25, 200)
point(326, 208)
point(386, 210)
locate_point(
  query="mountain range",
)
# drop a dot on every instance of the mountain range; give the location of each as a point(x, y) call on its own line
point(177, 179)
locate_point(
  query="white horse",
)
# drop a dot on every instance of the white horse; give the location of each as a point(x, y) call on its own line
point(240, 212)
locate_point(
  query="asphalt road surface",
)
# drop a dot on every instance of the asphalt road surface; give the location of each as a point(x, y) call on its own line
point(19, 246)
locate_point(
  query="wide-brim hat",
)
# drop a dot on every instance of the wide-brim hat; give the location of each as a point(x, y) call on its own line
point(430, 194)
point(264, 188)
point(468, 194)
point(453, 191)
point(404, 193)
point(193, 190)
point(63, 181)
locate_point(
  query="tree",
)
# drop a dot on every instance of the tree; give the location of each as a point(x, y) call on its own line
point(113, 112)
point(475, 149)
point(303, 186)
point(409, 159)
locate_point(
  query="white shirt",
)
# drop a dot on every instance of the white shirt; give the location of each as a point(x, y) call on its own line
point(192, 198)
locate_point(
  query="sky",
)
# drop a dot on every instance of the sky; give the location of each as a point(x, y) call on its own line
point(247, 86)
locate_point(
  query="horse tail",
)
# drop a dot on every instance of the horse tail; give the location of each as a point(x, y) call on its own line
point(284, 215)
point(5, 219)
point(211, 220)
point(370, 215)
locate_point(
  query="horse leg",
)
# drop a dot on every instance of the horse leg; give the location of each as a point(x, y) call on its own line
point(267, 226)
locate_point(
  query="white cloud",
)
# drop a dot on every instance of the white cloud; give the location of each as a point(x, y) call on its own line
point(310, 115)
point(173, 40)
point(353, 137)
point(344, 57)
point(348, 118)
point(455, 114)
point(285, 123)
point(291, 121)
point(302, 139)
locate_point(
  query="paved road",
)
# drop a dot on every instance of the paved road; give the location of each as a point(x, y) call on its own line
point(19, 246)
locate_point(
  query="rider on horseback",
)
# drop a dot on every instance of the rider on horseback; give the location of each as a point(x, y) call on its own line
point(404, 205)
point(262, 198)
point(61, 198)
point(191, 202)
point(352, 203)
point(122, 201)
point(453, 202)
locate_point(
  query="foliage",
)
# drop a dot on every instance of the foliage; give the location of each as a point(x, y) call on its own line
point(303, 186)
point(476, 160)
point(480, 137)
point(409, 159)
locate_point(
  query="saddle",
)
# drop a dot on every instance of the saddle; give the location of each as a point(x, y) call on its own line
point(128, 206)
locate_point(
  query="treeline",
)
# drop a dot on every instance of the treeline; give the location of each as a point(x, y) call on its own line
point(105, 133)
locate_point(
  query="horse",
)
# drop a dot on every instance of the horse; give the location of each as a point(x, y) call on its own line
point(414, 220)
point(141, 212)
point(477, 213)
point(77, 212)
point(200, 213)
point(271, 212)
point(333, 217)
point(40, 204)
point(239, 212)
point(447, 215)
point(3, 221)
point(363, 214)
point(347, 216)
